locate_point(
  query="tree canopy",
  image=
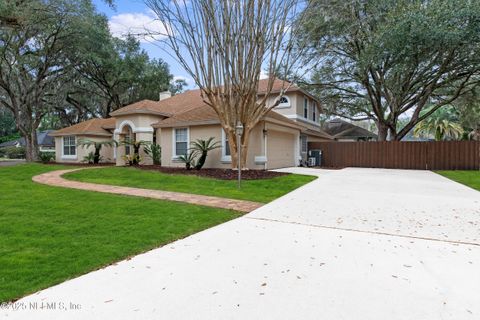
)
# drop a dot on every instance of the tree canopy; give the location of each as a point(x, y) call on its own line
point(387, 59)
point(59, 65)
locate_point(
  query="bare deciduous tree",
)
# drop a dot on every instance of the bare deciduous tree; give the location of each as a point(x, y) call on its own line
point(224, 46)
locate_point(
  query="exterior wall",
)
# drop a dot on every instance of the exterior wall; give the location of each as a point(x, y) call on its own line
point(295, 110)
point(140, 121)
point(141, 125)
point(106, 152)
point(214, 159)
point(285, 110)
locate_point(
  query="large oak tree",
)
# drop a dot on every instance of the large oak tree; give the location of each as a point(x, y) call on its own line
point(33, 60)
point(388, 60)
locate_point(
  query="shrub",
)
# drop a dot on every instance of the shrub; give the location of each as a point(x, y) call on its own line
point(154, 151)
point(188, 159)
point(132, 159)
point(15, 153)
point(203, 147)
point(46, 157)
point(2, 152)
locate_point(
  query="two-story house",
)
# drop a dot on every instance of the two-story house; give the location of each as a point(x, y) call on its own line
point(278, 140)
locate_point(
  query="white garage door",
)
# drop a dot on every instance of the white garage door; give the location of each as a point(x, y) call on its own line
point(280, 150)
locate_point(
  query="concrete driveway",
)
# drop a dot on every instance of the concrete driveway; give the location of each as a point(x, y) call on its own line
point(9, 163)
point(354, 244)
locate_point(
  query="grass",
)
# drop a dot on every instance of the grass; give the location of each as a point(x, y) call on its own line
point(469, 178)
point(49, 234)
point(262, 190)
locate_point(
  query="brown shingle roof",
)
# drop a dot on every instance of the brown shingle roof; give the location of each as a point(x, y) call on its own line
point(96, 127)
point(167, 107)
point(188, 100)
point(339, 128)
point(206, 115)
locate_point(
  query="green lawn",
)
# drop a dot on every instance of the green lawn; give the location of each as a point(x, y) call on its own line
point(50, 234)
point(469, 178)
point(262, 190)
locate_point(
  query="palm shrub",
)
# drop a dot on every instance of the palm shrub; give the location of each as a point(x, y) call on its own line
point(136, 145)
point(96, 158)
point(202, 147)
point(441, 125)
point(189, 159)
point(154, 151)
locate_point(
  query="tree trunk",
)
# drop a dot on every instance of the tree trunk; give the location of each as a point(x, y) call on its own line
point(244, 140)
point(31, 146)
point(382, 131)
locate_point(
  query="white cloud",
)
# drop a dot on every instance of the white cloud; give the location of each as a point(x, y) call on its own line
point(144, 26)
point(263, 75)
point(187, 80)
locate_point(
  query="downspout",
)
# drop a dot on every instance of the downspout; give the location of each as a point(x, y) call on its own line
point(265, 138)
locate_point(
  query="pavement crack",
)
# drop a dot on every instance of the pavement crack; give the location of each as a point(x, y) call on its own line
point(366, 231)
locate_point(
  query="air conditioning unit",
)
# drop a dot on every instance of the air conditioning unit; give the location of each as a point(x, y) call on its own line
point(312, 162)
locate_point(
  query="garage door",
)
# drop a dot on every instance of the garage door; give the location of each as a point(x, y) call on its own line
point(280, 150)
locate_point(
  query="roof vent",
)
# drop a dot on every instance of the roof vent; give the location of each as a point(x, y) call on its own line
point(165, 95)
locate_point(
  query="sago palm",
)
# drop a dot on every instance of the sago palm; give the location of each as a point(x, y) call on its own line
point(86, 143)
point(203, 147)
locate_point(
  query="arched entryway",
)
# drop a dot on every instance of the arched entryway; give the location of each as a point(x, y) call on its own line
point(124, 134)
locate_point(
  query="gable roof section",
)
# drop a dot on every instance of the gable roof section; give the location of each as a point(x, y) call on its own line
point(339, 128)
point(94, 127)
point(205, 115)
point(191, 99)
point(43, 139)
point(167, 107)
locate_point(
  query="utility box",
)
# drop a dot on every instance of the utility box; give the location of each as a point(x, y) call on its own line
point(317, 155)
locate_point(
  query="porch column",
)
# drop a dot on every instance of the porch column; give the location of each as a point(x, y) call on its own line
point(144, 136)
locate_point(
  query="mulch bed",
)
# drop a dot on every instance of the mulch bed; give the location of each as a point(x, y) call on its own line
point(223, 174)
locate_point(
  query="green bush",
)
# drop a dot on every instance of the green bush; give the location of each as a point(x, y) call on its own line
point(14, 152)
point(154, 151)
point(2, 152)
point(46, 157)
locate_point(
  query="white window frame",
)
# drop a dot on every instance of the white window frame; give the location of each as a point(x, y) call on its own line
point(314, 111)
point(302, 144)
point(305, 107)
point(284, 104)
point(176, 156)
point(225, 157)
point(69, 156)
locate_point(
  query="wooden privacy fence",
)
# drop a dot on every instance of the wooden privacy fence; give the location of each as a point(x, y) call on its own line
point(442, 155)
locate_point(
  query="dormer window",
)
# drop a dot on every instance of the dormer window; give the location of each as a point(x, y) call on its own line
point(284, 102)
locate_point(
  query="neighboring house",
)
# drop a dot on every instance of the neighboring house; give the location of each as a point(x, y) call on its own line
point(46, 143)
point(345, 131)
point(278, 140)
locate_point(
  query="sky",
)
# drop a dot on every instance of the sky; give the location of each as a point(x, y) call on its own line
point(133, 16)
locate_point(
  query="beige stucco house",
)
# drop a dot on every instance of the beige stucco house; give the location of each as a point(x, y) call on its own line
point(279, 139)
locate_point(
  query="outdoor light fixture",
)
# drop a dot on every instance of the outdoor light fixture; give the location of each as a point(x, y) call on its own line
point(239, 132)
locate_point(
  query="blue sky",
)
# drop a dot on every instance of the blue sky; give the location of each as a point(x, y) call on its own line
point(131, 14)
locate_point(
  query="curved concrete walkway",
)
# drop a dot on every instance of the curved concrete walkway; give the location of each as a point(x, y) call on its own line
point(54, 178)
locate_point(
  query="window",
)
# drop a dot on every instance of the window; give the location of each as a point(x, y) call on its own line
point(304, 143)
point(180, 142)
point(69, 147)
point(284, 102)
point(226, 155)
point(305, 108)
point(314, 115)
